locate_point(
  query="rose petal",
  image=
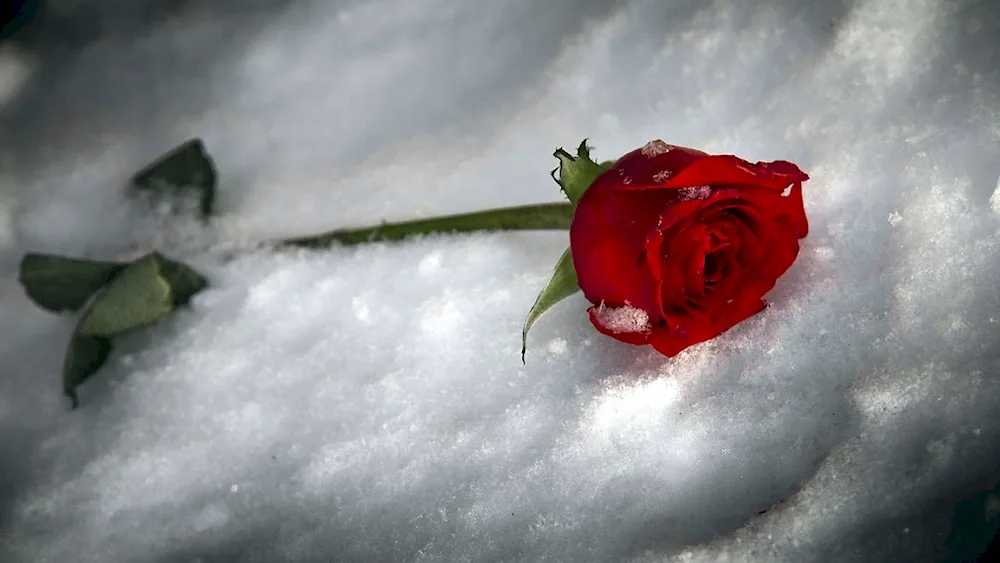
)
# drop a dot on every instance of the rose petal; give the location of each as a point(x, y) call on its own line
point(796, 212)
point(673, 218)
point(607, 239)
point(723, 170)
point(679, 214)
point(654, 163)
point(689, 331)
point(694, 269)
point(687, 252)
point(742, 308)
point(671, 286)
point(684, 333)
point(654, 245)
point(783, 256)
point(730, 273)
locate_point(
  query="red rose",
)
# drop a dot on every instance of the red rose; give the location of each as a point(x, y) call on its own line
point(674, 246)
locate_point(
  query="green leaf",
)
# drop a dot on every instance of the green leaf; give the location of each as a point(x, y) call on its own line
point(84, 356)
point(58, 283)
point(186, 169)
point(184, 282)
point(577, 173)
point(138, 296)
point(142, 293)
point(562, 284)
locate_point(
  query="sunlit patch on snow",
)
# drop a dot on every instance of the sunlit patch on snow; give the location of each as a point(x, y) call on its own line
point(360, 308)
point(431, 263)
point(441, 316)
point(633, 403)
point(558, 346)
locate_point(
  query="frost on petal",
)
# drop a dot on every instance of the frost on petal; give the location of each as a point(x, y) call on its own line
point(623, 319)
point(721, 170)
point(662, 176)
point(696, 192)
point(654, 148)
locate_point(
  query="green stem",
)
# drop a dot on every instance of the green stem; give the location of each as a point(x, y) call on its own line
point(545, 216)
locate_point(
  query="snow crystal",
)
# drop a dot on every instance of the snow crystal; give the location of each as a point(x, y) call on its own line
point(662, 176)
point(695, 192)
point(623, 319)
point(654, 148)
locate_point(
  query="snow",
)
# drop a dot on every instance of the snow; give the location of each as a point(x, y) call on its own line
point(697, 192)
point(655, 147)
point(370, 404)
point(623, 319)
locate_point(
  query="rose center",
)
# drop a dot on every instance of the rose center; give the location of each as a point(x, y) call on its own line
point(713, 268)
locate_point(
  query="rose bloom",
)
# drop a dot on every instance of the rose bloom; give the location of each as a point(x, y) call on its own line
point(674, 246)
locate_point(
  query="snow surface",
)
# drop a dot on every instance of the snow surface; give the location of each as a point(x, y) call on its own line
point(370, 404)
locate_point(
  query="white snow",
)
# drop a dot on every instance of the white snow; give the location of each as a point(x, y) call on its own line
point(623, 319)
point(656, 147)
point(696, 192)
point(662, 176)
point(370, 404)
point(995, 199)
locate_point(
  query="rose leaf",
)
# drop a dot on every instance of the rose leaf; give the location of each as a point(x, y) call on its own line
point(577, 173)
point(142, 293)
point(185, 171)
point(84, 356)
point(562, 284)
point(58, 283)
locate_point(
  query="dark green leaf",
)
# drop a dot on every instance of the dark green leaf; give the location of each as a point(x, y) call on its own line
point(187, 169)
point(562, 284)
point(137, 296)
point(577, 173)
point(183, 281)
point(84, 356)
point(58, 283)
point(141, 293)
